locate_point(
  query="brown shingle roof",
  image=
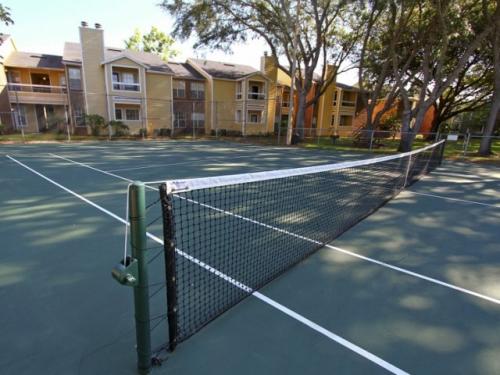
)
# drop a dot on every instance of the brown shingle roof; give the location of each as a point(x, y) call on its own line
point(219, 69)
point(72, 54)
point(183, 70)
point(33, 60)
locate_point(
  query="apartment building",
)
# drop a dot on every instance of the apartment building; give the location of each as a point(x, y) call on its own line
point(237, 96)
point(188, 93)
point(149, 94)
point(33, 89)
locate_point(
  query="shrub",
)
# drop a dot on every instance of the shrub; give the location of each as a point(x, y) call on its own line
point(96, 123)
point(118, 128)
point(164, 132)
point(2, 129)
point(143, 132)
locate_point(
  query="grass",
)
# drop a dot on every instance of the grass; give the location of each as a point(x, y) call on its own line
point(453, 150)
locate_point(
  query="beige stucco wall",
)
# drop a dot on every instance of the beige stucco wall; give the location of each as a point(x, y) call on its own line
point(159, 101)
point(93, 72)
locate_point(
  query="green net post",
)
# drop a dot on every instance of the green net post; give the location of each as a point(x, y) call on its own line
point(138, 242)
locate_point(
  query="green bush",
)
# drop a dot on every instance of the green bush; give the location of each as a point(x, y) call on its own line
point(119, 129)
point(96, 123)
point(2, 129)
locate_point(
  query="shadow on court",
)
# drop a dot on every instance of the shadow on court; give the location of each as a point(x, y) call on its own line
point(65, 315)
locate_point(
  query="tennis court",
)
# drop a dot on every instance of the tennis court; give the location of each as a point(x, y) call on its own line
point(412, 288)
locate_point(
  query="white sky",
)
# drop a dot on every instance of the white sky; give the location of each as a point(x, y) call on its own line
point(44, 26)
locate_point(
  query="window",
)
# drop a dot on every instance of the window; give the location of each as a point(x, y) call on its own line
point(179, 89)
point(335, 94)
point(75, 78)
point(255, 117)
point(197, 90)
point(345, 121)
point(132, 114)
point(79, 116)
point(256, 91)
point(348, 99)
point(198, 119)
point(13, 76)
point(332, 123)
point(238, 115)
point(179, 120)
point(20, 116)
point(239, 89)
point(118, 114)
point(125, 80)
point(62, 80)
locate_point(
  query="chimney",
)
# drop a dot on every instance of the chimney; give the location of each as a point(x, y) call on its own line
point(84, 24)
point(93, 72)
point(268, 66)
point(97, 25)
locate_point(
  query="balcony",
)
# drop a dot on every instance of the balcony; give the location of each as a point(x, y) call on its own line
point(256, 95)
point(36, 94)
point(126, 86)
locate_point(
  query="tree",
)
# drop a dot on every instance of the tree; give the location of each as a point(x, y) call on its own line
point(485, 146)
point(306, 34)
point(5, 16)
point(447, 24)
point(384, 53)
point(156, 41)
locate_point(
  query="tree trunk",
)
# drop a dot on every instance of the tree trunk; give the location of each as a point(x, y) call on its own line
point(301, 114)
point(485, 146)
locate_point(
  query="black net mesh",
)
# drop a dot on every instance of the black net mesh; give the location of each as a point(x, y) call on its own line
point(227, 241)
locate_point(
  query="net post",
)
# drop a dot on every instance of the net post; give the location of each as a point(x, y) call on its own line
point(170, 275)
point(138, 242)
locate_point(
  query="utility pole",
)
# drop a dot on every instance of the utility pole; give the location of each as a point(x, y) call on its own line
point(292, 84)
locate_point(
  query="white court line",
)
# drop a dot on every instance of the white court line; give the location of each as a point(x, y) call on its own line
point(452, 199)
point(300, 318)
point(215, 158)
point(353, 254)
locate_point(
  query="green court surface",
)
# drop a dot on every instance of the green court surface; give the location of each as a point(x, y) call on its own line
point(413, 288)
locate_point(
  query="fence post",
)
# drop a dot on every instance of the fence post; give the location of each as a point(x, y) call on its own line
point(466, 143)
point(371, 139)
point(138, 243)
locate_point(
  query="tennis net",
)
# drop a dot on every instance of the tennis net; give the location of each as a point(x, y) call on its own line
point(227, 236)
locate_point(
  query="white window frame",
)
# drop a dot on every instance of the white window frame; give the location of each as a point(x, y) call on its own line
point(121, 83)
point(177, 90)
point(238, 116)
point(178, 119)
point(79, 114)
point(74, 69)
point(260, 94)
point(132, 109)
point(121, 114)
point(198, 88)
point(249, 117)
point(198, 119)
point(239, 90)
point(20, 116)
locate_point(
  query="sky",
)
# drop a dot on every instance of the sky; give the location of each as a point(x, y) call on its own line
point(44, 26)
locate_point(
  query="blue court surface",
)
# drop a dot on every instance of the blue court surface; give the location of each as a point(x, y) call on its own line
point(412, 288)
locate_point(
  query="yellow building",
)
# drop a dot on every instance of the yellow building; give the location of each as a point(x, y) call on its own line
point(237, 97)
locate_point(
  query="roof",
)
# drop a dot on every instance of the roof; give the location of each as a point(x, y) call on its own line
point(218, 69)
point(346, 87)
point(33, 60)
point(184, 70)
point(72, 54)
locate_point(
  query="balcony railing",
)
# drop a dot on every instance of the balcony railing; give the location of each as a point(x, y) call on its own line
point(23, 87)
point(256, 95)
point(348, 103)
point(126, 86)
